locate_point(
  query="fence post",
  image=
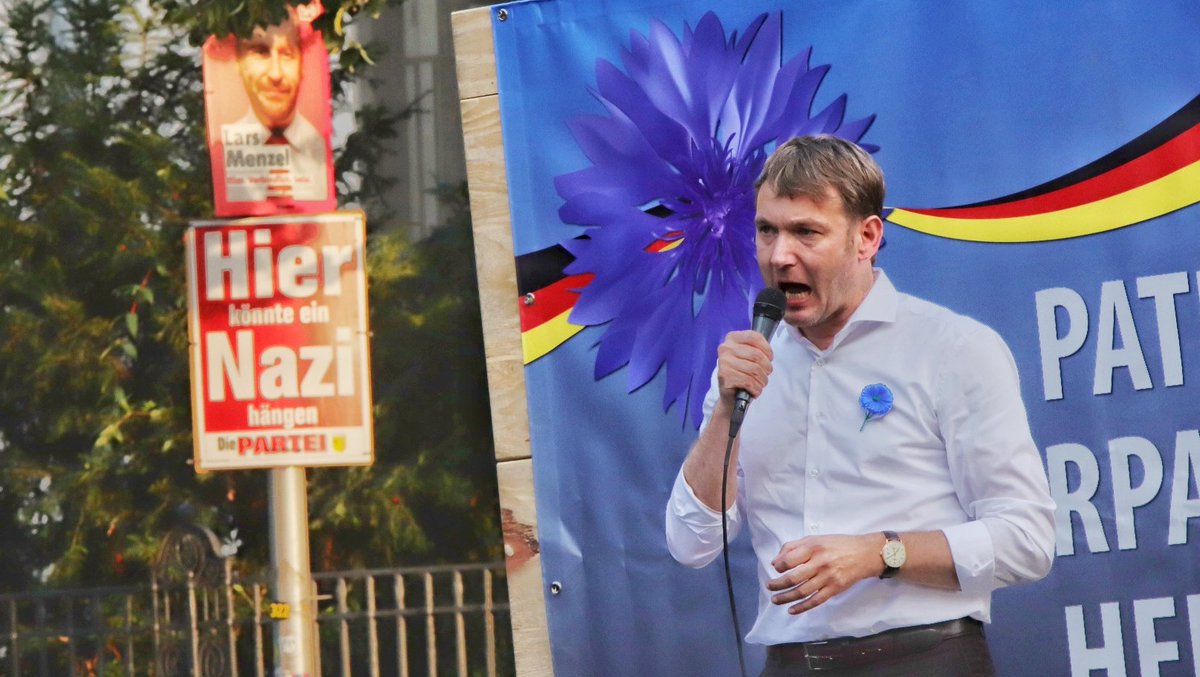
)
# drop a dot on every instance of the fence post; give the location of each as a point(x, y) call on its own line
point(131, 669)
point(259, 658)
point(401, 626)
point(489, 623)
point(372, 631)
point(155, 628)
point(98, 629)
point(229, 618)
point(16, 637)
point(343, 626)
point(430, 626)
point(194, 624)
point(460, 628)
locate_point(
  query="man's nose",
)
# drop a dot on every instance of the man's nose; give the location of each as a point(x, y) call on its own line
point(275, 69)
point(783, 254)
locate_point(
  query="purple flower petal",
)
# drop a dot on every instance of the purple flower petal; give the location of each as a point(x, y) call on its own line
point(689, 122)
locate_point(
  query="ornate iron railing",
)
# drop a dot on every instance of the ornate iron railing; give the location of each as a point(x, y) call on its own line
point(196, 619)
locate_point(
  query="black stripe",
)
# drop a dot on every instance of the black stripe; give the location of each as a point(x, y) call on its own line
point(1179, 122)
point(541, 268)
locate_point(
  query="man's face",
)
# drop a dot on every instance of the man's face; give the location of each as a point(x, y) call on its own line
point(269, 61)
point(818, 255)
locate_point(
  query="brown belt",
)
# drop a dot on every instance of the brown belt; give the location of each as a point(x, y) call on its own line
point(849, 652)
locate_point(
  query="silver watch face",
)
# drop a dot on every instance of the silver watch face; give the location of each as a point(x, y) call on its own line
point(893, 554)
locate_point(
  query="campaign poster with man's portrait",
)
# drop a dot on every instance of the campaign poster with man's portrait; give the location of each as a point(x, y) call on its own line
point(266, 99)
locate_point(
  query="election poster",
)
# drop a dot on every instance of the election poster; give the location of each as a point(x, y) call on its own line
point(267, 107)
point(277, 315)
point(1043, 171)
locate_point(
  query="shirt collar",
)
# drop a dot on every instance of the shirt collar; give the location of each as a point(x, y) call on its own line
point(880, 305)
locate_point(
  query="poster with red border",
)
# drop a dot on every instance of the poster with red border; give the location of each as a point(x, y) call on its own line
point(268, 119)
point(279, 342)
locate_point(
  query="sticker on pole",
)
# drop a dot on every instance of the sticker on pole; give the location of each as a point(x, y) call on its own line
point(277, 316)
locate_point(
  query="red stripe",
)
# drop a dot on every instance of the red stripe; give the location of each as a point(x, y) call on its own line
point(550, 301)
point(659, 245)
point(1173, 155)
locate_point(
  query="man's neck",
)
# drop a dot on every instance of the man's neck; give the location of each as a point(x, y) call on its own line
point(822, 339)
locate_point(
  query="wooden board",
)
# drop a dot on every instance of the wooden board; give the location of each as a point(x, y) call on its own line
point(495, 267)
point(474, 52)
point(522, 551)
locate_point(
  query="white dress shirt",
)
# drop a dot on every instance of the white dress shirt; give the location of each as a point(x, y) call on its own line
point(954, 453)
point(307, 175)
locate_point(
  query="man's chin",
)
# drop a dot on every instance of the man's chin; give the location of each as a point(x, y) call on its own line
point(797, 320)
point(281, 121)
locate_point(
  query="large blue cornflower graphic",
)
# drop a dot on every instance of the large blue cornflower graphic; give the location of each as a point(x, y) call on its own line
point(669, 197)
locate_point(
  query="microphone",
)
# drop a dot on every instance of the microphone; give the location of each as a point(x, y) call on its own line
point(768, 310)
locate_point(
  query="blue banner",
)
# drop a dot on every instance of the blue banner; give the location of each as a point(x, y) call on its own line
point(1043, 163)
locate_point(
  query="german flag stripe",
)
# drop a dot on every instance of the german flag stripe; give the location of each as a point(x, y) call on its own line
point(545, 300)
point(547, 295)
point(1155, 174)
point(551, 301)
point(1152, 175)
point(541, 339)
point(673, 240)
point(1174, 191)
point(1180, 122)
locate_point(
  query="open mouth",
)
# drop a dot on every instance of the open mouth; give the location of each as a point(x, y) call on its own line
point(795, 291)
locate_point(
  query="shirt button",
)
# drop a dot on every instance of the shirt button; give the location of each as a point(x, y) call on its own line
point(814, 472)
point(814, 527)
point(820, 362)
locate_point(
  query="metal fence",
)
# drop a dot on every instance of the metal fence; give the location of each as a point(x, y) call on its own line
point(437, 620)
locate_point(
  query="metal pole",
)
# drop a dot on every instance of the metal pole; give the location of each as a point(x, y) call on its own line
point(296, 636)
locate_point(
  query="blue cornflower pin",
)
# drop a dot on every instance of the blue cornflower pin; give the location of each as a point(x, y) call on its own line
point(877, 400)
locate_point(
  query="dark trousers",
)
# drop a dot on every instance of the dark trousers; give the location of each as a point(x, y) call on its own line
point(950, 649)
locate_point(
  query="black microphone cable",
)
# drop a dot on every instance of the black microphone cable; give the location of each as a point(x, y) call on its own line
point(768, 310)
point(737, 628)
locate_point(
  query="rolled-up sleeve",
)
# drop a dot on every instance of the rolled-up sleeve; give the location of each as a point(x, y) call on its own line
point(995, 466)
point(694, 529)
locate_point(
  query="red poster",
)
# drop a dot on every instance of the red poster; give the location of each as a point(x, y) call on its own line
point(277, 317)
point(267, 107)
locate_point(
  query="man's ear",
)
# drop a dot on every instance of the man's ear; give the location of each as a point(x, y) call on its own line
point(870, 235)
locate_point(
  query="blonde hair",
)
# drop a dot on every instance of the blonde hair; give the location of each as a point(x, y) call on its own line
point(810, 165)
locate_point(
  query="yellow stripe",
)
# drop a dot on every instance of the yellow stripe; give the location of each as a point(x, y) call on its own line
point(547, 336)
point(1176, 190)
point(674, 244)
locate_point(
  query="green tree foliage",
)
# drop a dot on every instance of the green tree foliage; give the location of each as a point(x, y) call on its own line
point(430, 388)
point(102, 164)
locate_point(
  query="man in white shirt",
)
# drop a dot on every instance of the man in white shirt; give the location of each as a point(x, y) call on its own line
point(885, 470)
point(273, 152)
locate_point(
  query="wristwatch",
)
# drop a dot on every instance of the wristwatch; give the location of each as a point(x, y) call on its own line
point(893, 554)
